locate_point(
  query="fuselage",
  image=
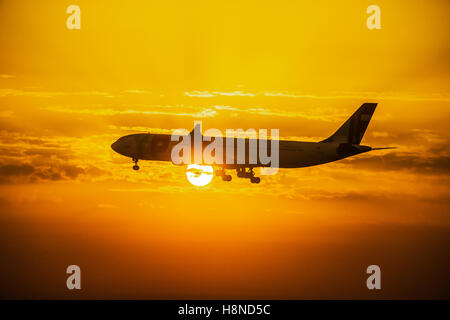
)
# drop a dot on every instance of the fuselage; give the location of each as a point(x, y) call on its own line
point(292, 154)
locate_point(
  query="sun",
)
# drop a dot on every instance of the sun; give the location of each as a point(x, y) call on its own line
point(199, 175)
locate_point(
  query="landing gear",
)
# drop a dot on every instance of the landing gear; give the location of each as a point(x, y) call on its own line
point(221, 173)
point(135, 167)
point(241, 173)
point(255, 179)
point(250, 174)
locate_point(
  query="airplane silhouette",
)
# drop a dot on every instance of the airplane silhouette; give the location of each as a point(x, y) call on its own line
point(345, 142)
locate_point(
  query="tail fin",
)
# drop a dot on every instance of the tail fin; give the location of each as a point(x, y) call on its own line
point(353, 129)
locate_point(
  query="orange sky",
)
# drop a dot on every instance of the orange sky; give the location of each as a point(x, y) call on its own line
point(153, 66)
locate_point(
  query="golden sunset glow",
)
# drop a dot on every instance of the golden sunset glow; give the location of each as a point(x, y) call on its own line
point(302, 67)
point(199, 175)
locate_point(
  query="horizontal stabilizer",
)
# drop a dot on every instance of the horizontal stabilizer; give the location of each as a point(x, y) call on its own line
point(383, 148)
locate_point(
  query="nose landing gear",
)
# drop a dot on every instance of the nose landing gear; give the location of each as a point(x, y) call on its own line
point(135, 167)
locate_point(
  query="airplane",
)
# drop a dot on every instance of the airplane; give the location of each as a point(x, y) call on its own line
point(345, 142)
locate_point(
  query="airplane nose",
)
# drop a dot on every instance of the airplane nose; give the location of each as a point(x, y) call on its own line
point(114, 146)
point(124, 146)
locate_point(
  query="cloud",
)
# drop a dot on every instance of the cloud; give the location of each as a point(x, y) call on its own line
point(380, 134)
point(149, 110)
point(11, 170)
point(53, 158)
point(396, 96)
point(49, 94)
point(207, 94)
point(50, 171)
point(429, 136)
point(48, 152)
point(321, 115)
point(134, 91)
point(71, 171)
point(437, 164)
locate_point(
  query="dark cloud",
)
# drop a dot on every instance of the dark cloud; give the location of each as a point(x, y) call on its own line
point(48, 152)
point(11, 137)
point(71, 171)
point(96, 172)
point(438, 164)
point(10, 152)
point(29, 173)
point(32, 140)
point(49, 175)
point(59, 172)
point(11, 170)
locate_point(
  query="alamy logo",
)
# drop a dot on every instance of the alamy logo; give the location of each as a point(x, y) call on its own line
point(237, 147)
point(374, 281)
point(74, 280)
point(374, 20)
point(74, 20)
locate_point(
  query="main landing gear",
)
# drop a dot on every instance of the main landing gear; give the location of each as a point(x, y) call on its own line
point(135, 167)
point(241, 173)
point(249, 174)
point(221, 173)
